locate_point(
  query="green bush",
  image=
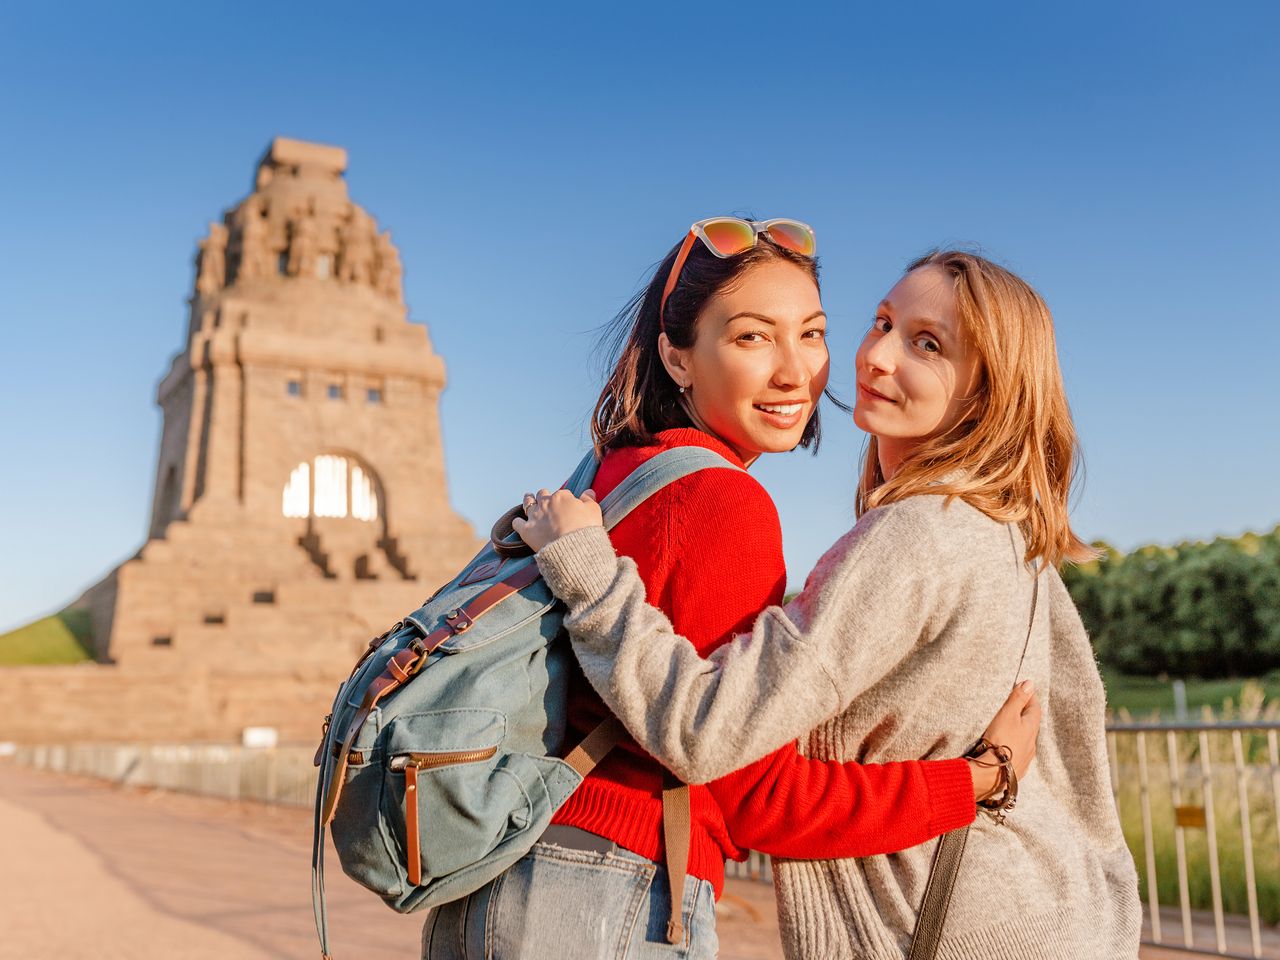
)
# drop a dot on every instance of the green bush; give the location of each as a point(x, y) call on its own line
point(1192, 610)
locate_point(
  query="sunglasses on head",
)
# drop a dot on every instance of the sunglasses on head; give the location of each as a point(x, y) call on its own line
point(729, 236)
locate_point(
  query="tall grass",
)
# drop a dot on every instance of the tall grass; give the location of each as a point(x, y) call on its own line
point(1222, 784)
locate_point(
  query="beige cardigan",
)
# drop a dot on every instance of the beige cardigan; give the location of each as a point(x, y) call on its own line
point(903, 644)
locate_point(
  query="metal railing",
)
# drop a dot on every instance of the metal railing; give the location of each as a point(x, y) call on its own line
point(1208, 800)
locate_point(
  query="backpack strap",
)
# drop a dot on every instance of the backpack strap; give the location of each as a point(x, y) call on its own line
point(654, 474)
point(677, 820)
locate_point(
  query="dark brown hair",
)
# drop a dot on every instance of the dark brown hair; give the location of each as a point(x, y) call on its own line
point(639, 399)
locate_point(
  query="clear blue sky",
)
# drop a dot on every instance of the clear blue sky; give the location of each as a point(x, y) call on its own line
point(533, 160)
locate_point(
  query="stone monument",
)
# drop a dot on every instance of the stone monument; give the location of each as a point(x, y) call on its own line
point(300, 502)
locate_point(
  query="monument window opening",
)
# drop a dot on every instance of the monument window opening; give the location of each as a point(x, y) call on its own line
point(294, 388)
point(282, 265)
point(330, 486)
point(162, 641)
point(335, 391)
point(215, 619)
point(374, 395)
point(264, 596)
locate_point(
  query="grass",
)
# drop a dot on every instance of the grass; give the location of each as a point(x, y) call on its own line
point(1143, 696)
point(61, 638)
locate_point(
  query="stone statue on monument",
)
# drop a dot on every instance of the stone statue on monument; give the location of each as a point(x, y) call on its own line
point(255, 251)
point(211, 262)
point(355, 255)
point(390, 273)
point(303, 245)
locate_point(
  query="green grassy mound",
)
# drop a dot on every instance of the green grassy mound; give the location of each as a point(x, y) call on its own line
point(61, 638)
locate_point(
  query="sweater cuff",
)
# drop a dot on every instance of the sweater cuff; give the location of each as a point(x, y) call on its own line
point(580, 566)
point(950, 785)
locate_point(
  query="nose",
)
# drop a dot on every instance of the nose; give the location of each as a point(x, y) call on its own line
point(880, 354)
point(791, 368)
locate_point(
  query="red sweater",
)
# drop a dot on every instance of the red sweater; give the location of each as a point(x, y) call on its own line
point(709, 549)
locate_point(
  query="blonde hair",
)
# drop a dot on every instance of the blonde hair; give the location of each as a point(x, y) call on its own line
point(1014, 445)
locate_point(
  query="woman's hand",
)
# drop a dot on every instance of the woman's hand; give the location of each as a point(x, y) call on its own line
point(552, 515)
point(1015, 726)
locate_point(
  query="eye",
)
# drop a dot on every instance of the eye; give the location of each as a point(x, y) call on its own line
point(882, 323)
point(751, 336)
point(817, 333)
point(927, 344)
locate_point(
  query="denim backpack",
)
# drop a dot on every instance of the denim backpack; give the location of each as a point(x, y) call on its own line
point(440, 764)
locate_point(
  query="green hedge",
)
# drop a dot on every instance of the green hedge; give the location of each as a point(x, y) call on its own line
point(1192, 610)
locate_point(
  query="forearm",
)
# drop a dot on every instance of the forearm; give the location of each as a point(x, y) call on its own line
point(715, 714)
point(791, 806)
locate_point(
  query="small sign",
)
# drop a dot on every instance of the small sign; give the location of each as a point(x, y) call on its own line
point(1190, 817)
point(259, 738)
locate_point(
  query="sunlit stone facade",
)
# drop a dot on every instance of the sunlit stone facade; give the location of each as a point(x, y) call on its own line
point(300, 503)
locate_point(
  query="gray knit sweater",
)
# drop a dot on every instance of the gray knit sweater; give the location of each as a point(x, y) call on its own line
point(903, 644)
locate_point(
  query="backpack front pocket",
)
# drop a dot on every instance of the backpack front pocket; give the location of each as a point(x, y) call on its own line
point(412, 764)
point(450, 794)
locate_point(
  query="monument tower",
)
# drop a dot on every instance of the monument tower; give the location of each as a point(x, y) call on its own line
point(300, 501)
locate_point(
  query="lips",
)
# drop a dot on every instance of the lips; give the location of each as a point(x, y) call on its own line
point(873, 394)
point(784, 416)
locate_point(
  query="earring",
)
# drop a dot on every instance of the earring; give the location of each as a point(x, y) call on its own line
point(682, 388)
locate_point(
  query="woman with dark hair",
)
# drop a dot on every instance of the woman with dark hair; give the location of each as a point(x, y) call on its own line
point(725, 349)
point(910, 628)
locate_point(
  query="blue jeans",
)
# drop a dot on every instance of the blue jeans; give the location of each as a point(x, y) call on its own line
point(564, 904)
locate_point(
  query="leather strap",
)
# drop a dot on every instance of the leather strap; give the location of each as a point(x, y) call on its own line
point(677, 820)
point(586, 755)
point(412, 839)
point(937, 895)
point(677, 823)
point(946, 858)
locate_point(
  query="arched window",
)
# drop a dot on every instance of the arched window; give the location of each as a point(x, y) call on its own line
point(330, 486)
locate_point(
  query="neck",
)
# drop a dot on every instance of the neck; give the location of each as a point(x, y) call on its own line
point(748, 457)
point(891, 451)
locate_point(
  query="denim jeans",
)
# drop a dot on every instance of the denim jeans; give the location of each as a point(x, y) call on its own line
point(565, 904)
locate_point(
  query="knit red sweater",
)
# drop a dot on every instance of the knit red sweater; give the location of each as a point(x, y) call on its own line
point(709, 549)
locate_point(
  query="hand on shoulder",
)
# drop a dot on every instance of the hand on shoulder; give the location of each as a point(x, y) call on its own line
point(550, 516)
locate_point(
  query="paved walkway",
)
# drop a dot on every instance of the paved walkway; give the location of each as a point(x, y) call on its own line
point(88, 870)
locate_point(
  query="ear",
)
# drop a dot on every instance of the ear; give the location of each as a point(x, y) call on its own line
point(676, 360)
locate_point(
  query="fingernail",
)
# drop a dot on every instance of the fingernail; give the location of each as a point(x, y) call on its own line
point(1028, 686)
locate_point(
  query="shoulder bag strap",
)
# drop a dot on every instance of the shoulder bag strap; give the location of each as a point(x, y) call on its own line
point(946, 858)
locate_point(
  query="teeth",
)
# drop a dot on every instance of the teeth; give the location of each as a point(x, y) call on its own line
point(783, 409)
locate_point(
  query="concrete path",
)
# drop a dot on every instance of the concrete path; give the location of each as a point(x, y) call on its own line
point(88, 870)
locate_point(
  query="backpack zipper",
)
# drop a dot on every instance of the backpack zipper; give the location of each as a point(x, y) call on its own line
point(411, 763)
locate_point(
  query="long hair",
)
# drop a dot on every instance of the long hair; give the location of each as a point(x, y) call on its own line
point(639, 398)
point(1013, 454)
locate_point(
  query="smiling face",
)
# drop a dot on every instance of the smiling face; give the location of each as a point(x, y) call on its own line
point(758, 363)
point(917, 368)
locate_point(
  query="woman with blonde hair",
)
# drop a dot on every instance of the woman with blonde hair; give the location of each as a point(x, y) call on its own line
point(909, 632)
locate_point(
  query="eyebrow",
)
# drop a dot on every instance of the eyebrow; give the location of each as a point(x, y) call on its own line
point(760, 316)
